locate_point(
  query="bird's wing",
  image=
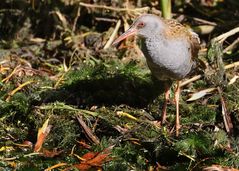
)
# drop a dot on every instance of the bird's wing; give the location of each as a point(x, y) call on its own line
point(195, 47)
point(175, 28)
point(194, 44)
point(178, 30)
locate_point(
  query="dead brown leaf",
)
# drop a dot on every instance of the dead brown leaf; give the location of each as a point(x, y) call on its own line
point(84, 145)
point(51, 154)
point(42, 134)
point(94, 160)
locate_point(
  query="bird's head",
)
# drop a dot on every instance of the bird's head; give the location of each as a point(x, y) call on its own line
point(145, 26)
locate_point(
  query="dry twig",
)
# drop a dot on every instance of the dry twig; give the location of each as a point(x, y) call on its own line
point(76, 18)
point(12, 73)
point(224, 36)
point(17, 89)
point(197, 77)
point(87, 130)
point(204, 21)
point(144, 9)
point(113, 35)
point(226, 117)
point(231, 46)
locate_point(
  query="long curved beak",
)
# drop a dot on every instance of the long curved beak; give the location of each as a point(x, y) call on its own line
point(128, 33)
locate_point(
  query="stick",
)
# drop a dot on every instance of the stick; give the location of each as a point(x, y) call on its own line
point(17, 89)
point(112, 37)
point(87, 130)
point(113, 8)
point(231, 46)
point(204, 21)
point(197, 77)
point(226, 117)
point(232, 65)
point(75, 19)
point(224, 36)
point(10, 75)
point(105, 19)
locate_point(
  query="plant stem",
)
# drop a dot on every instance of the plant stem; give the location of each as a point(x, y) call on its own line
point(166, 8)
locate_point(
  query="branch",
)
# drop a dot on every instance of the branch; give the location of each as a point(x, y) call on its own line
point(231, 46)
point(113, 8)
point(224, 36)
point(197, 77)
point(112, 37)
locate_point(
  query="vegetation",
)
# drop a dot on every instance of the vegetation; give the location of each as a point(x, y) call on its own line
point(71, 101)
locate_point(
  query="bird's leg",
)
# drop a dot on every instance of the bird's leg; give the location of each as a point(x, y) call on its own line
point(176, 96)
point(166, 96)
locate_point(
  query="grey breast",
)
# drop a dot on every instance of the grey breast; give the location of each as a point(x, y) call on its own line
point(167, 60)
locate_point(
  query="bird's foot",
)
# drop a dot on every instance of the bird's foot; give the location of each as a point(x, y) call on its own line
point(175, 129)
point(164, 121)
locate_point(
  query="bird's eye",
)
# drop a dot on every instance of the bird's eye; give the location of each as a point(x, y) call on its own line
point(140, 25)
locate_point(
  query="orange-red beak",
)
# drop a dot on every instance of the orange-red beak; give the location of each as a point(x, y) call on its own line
point(128, 33)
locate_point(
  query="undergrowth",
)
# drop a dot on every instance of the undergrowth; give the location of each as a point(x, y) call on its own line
point(100, 93)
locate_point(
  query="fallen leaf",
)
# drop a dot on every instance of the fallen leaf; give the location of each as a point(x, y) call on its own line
point(48, 153)
point(42, 134)
point(83, 144)
point(98, 160)
point(89, 155)
point(94, 159)
point(200, 94)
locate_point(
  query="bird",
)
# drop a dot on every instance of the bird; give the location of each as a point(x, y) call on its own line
point(170, 50)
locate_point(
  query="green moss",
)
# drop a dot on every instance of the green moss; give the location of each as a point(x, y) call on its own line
point(195, 144)
point(198, 113)
point(98, 93)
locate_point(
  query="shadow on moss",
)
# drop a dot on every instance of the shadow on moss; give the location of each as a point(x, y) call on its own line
point(113, 90)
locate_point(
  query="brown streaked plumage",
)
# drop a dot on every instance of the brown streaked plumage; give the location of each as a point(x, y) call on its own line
point(176, 29)
point(170, 50)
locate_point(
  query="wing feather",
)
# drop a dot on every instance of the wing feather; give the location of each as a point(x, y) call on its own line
point(194, 44)
point(176, 29)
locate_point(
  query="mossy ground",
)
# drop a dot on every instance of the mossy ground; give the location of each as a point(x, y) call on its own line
point(98, 93)
point(54, 66)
